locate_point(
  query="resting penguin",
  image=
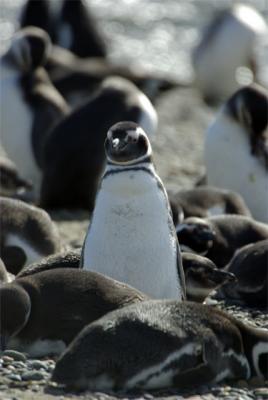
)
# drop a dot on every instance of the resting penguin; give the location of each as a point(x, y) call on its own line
point(131, 236)
point(27, 234)
point(250, 266)
point(226, 57)
point(71, 175)
point(43, 312)
point(205, 201)
point(159, 344)
point(202, 276)
point(29, 103)
point(237, 143)
point(219, 237)
point(69, 23)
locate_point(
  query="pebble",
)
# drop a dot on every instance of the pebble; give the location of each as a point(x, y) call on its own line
point(18, 364)
point(7, 359)
point(36, 364)
point(261, 393)
point(16, 355)
point(32, 376)
point(15, 377)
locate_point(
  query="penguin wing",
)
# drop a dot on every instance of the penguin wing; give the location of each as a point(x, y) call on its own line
point(181, 271)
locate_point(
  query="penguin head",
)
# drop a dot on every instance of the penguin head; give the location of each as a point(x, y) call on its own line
point(195, 233)
point(29, 49)
point(249, 107)
point(15, 311)
point(202, 276)
point(127, 144)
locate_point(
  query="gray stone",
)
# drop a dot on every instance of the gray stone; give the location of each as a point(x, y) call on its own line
point(15, 377)
point(16, 355)
point(36, 364)
point(32, 376)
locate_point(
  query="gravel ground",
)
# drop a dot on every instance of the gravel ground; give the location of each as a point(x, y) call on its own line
point(178, 146)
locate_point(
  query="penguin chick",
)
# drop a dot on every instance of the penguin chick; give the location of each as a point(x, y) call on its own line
point(43, 312)
point(250, 266)
point(161, 344)
point(205, 201)
point(27, 234)
point(219, 237)
point(202, 276)
point(64, 259)
point(131, 236)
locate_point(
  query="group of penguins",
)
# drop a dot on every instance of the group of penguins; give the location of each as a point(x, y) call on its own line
point(126, 311)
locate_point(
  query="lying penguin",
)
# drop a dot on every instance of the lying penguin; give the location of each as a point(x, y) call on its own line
point(43, 312)
point(131, 236)
point(202, 277)
point(27, 234)
point(237, 143)
point(206, 201)
point(219, 237)
point(250, 267)
point(161, 344)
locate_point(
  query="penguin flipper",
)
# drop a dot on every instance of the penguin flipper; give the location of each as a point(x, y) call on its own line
point(181, 272)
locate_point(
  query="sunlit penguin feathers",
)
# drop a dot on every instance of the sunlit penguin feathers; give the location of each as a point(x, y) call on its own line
point(237, 143)
point(228, 49)
point(131, 236)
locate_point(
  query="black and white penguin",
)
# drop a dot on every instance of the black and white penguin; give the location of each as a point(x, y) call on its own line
point(131, 236)
point(250, 266)
point(27, 234)
point(202, 276)
point(228, 49)
point(11, 182)
point(71, 175)
point(161, 344)
point(29, 103)
point(63, 259)
point(205, 201)
point(219, 237)
point(237, 143)
point(43, 312)
point(69, 23)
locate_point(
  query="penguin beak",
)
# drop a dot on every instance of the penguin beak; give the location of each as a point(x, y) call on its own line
point(220, 276)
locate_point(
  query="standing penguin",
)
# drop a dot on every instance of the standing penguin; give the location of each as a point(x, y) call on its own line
point(236, 148)
point(131, 236)
point(29, 103)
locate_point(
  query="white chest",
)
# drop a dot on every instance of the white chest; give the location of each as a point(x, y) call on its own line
point(230, 165)
point(16, 128)
point(130, 238)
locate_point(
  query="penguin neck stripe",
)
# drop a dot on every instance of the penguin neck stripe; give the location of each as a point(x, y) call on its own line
point(118, 171)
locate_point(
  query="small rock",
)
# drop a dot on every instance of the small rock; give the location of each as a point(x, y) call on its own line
point(18, 364)
point(242, 384)
point(15, 377)
point(261, 393)
point(36, 364)
point(32, 376)
point(7, 359)
point(16, 355)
